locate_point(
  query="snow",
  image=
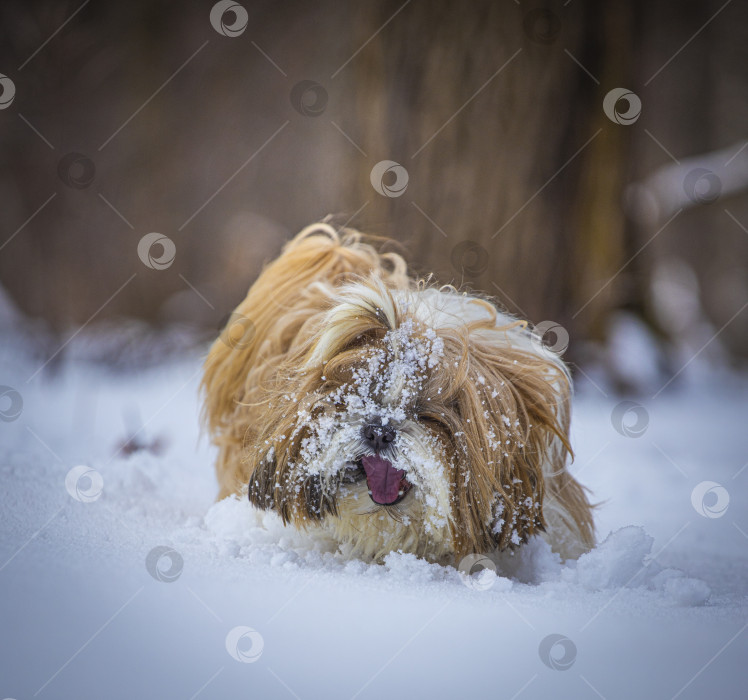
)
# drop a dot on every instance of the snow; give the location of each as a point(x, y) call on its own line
point(121, 577)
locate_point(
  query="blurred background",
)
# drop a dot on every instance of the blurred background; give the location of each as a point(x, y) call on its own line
point(585, 163)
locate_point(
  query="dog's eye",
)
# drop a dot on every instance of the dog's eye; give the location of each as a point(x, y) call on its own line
point(368, 337)
point(431, 420)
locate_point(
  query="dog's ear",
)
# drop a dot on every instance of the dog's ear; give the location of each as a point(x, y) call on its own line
point(279, 315)
point(270, 320)
point(298, 498)
point(512, 406)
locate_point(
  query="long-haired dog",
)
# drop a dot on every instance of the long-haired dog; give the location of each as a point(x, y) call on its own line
point(345, 395)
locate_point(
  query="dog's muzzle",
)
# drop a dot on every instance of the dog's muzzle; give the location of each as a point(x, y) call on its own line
point(378, 436)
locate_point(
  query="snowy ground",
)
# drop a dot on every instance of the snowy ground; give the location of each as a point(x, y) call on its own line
point(658, 611)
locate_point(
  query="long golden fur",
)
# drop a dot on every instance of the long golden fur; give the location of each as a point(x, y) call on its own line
point(334, 337)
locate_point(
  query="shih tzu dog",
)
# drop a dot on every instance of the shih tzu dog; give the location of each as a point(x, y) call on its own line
point(396, 415)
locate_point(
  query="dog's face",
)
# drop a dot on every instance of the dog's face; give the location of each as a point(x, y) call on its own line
point(408, 433)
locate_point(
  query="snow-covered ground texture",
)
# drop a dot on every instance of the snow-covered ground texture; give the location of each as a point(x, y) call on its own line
point(121, 578)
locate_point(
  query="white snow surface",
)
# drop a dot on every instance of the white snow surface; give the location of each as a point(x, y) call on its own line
point(248, 608)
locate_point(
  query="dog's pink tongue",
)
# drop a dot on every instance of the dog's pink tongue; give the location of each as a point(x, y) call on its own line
point(383, 479)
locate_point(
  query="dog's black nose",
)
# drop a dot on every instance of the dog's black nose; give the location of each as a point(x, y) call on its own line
point(377, 437)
